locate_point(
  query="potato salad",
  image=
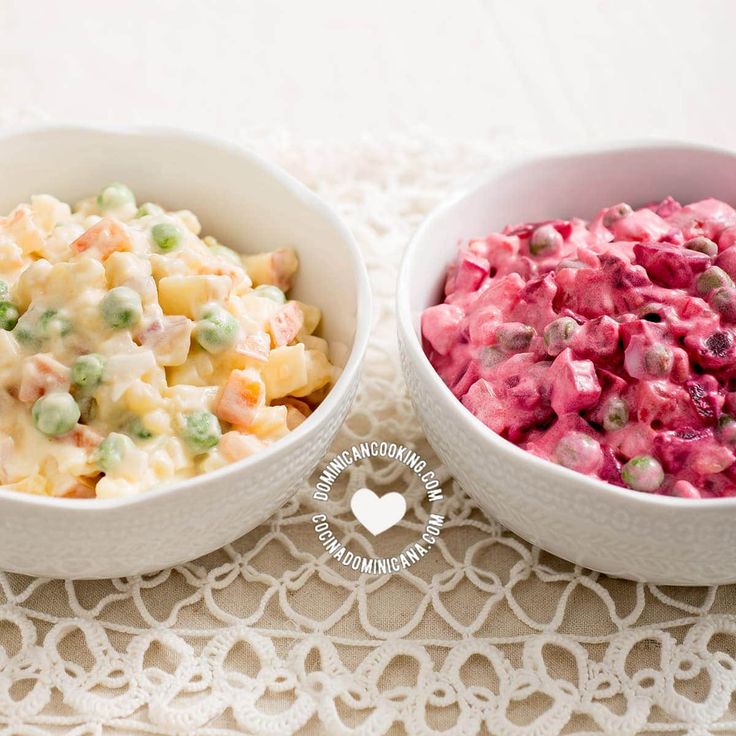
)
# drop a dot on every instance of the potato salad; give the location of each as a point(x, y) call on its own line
point(134, 352)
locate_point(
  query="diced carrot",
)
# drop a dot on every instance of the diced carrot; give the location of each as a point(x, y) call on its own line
point(286, 323)
point(242, 395)
point(85, 437)
point(103, 238)
point(40, 374)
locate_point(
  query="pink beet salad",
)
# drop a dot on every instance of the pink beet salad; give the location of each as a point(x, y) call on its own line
point(608, 346)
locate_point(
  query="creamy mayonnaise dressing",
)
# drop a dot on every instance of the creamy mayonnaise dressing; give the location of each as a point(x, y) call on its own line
point(608, 347)
point(133, 352)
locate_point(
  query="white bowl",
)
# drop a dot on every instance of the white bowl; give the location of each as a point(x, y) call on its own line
point(252, 206)
point(584, 520)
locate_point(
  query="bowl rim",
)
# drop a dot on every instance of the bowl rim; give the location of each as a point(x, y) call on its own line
point(340, 389)
point(415, 353)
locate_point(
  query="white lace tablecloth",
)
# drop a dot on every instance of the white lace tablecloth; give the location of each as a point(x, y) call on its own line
point(269, 636)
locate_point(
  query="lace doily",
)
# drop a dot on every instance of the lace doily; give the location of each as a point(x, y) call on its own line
point(269, 636)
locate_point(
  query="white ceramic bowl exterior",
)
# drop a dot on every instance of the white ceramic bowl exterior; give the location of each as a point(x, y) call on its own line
point(252, 206)
point(613, 530)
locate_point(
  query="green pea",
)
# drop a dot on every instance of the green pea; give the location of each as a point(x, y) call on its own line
point(514, 337)
point(8, 316)
point(578, 452)
point(114, 196)
point(55, 413)
point(616, 213)
point(137, 429)
point(545, 240)
point(491, 356)
point(643, 473)
point(712, 278)
point(121, 307)
point(558, 333)
point(616, 415)
point(723, 300)
point(53, 323)
point(727, 429)
point(224, 252)
point(658, 360)
point(148, 208)
point(166, 235)
point(270, 292)
point(4, 291)
point(111, 451)
point(701, 244)
point(217, 330)
point(87, 371)
point(201, 431)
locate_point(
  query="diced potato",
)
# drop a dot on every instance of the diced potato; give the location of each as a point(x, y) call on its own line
point(189, 220)
point(72, 277)
point(35, 484)
point(285, 371)
point(277, 267)
point(32, 281)
point(170, 339)
point(141, 397)
point(319, 373)
point(270, 423)
point(24, 230)
point(158, 422)
point(197, 370)
point(123, 267)
point(312, 317)
point(312, 342)
point(237, 445)
point(48, 210)
point(9, 350)
point(186, 295)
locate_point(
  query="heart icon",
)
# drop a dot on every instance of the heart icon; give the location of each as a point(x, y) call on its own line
point(377, 514)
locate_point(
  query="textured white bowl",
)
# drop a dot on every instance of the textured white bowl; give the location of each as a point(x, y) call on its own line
point(252, 206)
point(613, 530)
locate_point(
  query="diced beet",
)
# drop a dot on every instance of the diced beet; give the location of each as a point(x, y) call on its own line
point(667, 207)
point(441, 326)
point(664, 403)
point(714, 350)
point(471, 270)
point(469, 376)
point(574, 384)
point(670, 265)
point(482, 324)
point(693, 450)
point(610, 470)
point(563, 227)
point(640, 225)
point(484, 404)
point(597, 339)
point(704, 394)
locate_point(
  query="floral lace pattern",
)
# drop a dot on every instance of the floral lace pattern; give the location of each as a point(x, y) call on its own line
point(270, 636)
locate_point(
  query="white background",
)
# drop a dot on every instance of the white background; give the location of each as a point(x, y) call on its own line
point(544, 73)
